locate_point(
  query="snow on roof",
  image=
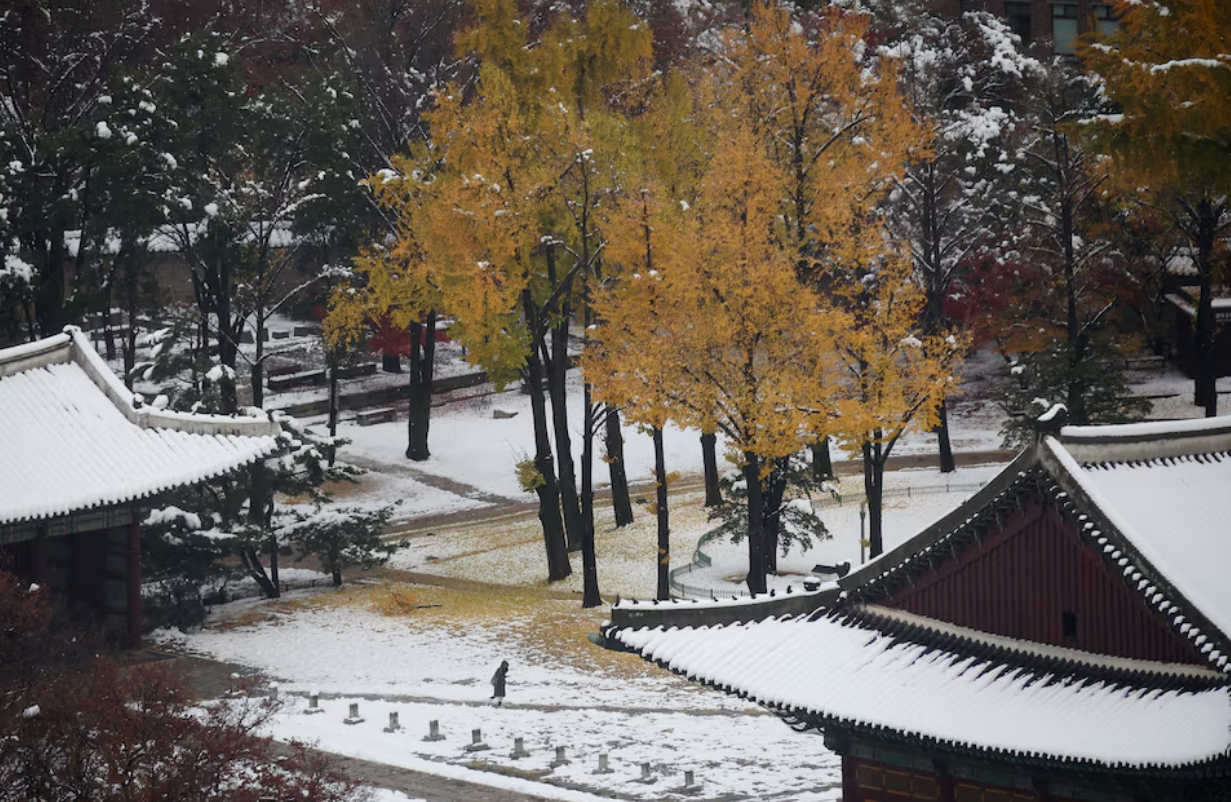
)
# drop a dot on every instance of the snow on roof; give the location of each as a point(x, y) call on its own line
point(75, 438)
point(1220, 306)
point(855, 676)
point(880, 616)
point(1170, 501)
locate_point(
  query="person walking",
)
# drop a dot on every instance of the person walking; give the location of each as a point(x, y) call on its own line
point(498, 682)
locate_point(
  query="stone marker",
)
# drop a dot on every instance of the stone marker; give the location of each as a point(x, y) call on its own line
point(519, 748)
point(393, 722)
point(645, 775)
point(233, 685)
point(314, 704)
point(476, 742)
point(273, 691)
point(433, 731)
point(688, 779)
point(353, 718)
point(602, 764)
point(560, 760)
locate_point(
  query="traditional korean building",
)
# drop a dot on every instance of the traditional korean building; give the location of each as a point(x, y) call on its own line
point(1063, 635)
point(81, 457)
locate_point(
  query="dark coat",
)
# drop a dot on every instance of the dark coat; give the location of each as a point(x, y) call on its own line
point(498, 680)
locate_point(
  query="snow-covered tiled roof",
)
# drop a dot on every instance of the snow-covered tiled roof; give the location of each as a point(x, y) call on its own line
point(844, 673)
point(1165, 490)
point(72, 438)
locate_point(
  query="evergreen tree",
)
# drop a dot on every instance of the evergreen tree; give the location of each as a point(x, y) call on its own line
point(1166, 77)
point(963, 78)
point(1073, 279)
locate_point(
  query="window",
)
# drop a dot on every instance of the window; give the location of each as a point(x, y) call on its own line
point(1018, 16)
point(1064, 27)
point(901, 784)
point(1069, 624)
point(1105, 20)
point(973, 793)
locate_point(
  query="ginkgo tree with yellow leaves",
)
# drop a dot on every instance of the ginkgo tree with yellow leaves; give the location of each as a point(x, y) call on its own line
point(392, 282)
point(502, 217)
point(708, 324)
point(893, 376)
point(829, 114)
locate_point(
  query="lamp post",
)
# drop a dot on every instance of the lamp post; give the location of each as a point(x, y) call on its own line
point(863, 514)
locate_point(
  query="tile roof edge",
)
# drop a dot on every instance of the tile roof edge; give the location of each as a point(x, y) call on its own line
point(818, 720)
point(899, 557)
point(100, 373)
point(1001, 648)
point(38, 354)
point(1147, 440)
point(1086, 500)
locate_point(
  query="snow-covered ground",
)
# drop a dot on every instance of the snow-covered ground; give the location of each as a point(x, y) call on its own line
point(743, 756)
point(570, 693)
point(435, 664)
point(932, 496)
point(471, 446)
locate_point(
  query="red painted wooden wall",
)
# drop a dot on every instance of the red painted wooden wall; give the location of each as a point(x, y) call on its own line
point(1031, 575)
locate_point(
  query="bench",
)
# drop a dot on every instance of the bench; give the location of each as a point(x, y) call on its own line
point(355, 371)
point(369, 417)
point(839, 570)
point(283, 370)
point(308, 378)
point(1145, 363)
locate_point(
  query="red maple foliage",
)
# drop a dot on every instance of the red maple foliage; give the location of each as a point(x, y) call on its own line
point(79, 725)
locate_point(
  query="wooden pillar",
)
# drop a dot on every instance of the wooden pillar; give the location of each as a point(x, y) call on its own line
point(946, 782)
point(134, 583)
point(40, 557)
point(850, 787)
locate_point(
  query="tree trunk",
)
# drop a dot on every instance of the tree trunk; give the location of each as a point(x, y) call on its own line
point(252, 564)
point(621, 501)
point(333, 407)
point(589, 564)
point(548, 490)
point(422, 368)
point(564, 446)
point(258, 363)
point(771, 514)
point(131, 288)
point(756, 539)
point(48, 282)
point(660, 508)
point(1205, 388)
point(260, 505)
point(108, 332)
point(709, 459)
point(873, 487)
point(271, 546)
point(822, 463)
point(227, 351)
point(947, 463)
